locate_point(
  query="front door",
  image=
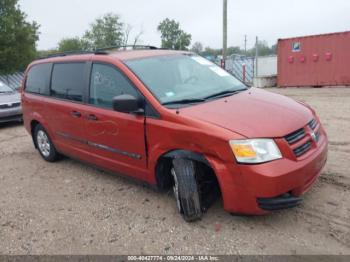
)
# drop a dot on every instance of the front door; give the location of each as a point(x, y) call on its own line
point(116, 139)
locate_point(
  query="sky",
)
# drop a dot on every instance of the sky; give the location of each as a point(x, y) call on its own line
point(267, 19)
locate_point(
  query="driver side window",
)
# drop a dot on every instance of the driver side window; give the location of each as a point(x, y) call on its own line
point(106, 83)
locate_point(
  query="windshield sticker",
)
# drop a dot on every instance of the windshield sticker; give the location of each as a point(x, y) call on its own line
point(219, 71)
point(170, 94)
point(201, 60)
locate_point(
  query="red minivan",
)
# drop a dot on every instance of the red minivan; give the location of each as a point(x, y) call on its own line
point(175, 120)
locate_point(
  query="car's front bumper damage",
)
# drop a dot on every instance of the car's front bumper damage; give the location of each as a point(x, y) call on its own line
point(281, 202)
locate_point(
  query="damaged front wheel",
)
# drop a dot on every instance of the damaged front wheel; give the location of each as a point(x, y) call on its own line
point(186, 190)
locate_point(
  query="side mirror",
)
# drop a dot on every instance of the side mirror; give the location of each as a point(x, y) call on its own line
point(128, 104)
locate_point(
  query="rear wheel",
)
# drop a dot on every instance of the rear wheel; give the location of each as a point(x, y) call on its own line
point(44, 144)
point(186, 189)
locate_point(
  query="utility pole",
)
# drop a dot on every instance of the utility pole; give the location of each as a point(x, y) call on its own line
point(256, 56)
point(245, 44)
point(224, 49)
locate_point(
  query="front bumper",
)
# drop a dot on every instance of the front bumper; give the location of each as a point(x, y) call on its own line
point(10, 114)
point(258, 189)
point(281, 202)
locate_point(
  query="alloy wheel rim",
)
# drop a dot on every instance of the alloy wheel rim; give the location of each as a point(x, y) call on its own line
point(43, 143)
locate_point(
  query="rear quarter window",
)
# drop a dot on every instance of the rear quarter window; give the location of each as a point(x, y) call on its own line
point(68, 81)
point(38, 79)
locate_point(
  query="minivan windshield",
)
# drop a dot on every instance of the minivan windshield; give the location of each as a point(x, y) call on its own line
point(184, 79)
point(5, 88)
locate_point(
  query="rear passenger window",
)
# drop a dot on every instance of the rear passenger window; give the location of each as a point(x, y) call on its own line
point(37, 79)
point(106, 83)
point(68, 81)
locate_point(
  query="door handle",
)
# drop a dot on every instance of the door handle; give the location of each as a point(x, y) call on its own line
point(92, 118)
point(76, 114)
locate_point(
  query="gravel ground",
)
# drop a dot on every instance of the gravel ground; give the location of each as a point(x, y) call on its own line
point(70, 208)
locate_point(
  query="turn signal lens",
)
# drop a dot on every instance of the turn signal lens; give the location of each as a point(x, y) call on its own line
point(254, 151)
point(241, 150)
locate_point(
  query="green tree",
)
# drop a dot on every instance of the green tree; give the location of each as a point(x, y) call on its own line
point(70, 44)
point(17, 38)
point(197, 48)
point(106, 31)
point(45, 53)
point(234, 50)
point(208, 51)
point(274, 49)
point(173, 37)
point(263, 49)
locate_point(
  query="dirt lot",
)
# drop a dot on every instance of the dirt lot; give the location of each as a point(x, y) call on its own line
point(70, 208)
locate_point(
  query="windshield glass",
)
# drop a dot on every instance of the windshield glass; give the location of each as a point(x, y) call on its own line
point(184, 78)
point(4, 88)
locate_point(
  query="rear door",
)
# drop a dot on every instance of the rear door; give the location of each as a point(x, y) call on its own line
point(116, 139)
point(36, 87)
point(65, 110)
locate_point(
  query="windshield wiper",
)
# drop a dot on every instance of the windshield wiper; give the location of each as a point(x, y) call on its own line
point(200, 100)
point(184, 101)
point(224, 93)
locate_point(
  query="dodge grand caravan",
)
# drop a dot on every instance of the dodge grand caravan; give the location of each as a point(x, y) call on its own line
point(174, 120)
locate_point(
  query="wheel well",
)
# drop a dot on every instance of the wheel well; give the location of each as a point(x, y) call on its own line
point(163, 173)
point(206, 177)
point(33, 125)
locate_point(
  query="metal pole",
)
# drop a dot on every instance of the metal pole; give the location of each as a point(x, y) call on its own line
point(256, 56)
point(224, 49)
point(245, 44)
point(244, 72)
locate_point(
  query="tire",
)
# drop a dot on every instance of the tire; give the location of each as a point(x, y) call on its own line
point(186, 189)
point(44, 144)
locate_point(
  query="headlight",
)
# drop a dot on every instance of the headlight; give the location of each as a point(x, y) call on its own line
point(255, 150)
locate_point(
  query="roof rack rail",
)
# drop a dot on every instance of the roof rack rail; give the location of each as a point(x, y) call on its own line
point(124, 47)
point(99, 51)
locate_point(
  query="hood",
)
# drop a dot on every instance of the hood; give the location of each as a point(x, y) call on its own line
point(8, 98)
point(254, 113)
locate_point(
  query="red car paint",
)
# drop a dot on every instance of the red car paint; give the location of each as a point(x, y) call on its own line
point(204, 128)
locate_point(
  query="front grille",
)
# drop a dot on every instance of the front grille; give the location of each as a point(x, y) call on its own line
point(299, 151)
point(295, 136)
point(10, 105)
point(312, 124)
point(300, 136)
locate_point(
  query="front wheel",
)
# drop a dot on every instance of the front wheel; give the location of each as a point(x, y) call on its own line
point(44, 144)
point(186, 190)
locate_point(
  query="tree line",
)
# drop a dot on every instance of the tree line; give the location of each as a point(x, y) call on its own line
point(18, 38)
point(263, 48)
point(109, 31)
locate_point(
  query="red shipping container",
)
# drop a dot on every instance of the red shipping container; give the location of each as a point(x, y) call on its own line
point(319, 60)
